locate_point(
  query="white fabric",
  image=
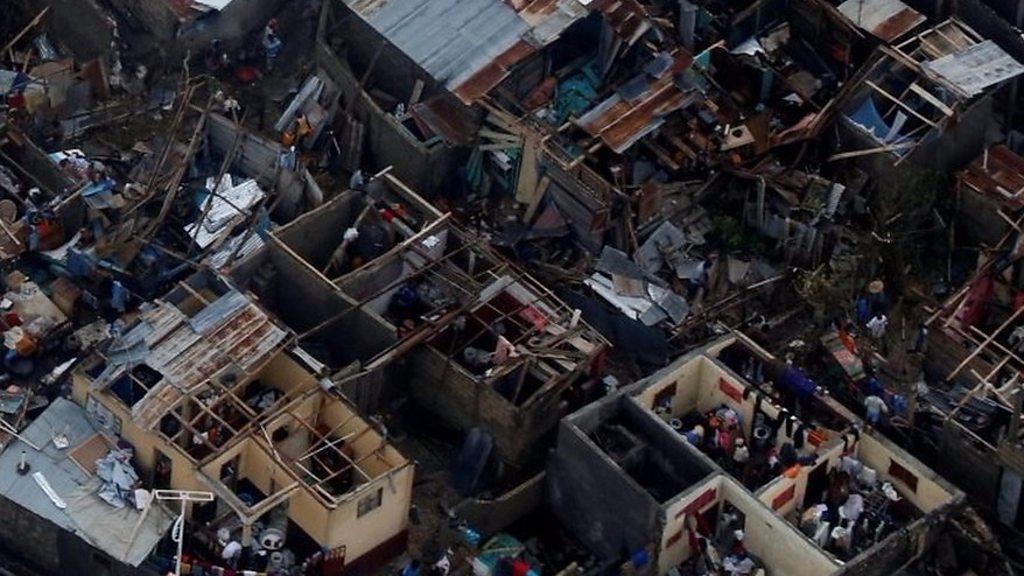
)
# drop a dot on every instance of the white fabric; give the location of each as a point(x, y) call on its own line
point(231, 550)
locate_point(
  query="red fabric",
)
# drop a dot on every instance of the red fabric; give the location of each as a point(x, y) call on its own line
point(784, 498)
point(520, 567)
point(699, 503)
point(247, 74)
point(848, 342)
point(976, 306)
point(16, 100)
point(703, 528)
point(1018, 301)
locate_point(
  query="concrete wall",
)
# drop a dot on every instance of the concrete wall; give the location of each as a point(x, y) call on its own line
point(79, 25)
point(609, 512)
point(701, 384)
point(423, 167)
point(675, 544)
point(492, 516)
point(257, 157)
point(46, 547)
point(303, 299)
point(897, 550)
point(780, 545)
point(978, 219)
point(769, 493)
point(316, 235)
point(932, 491)
point(970, 465)
point(453, 395)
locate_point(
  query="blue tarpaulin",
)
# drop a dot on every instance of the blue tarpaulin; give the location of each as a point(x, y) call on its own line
point(867, 117)
point(794, 380)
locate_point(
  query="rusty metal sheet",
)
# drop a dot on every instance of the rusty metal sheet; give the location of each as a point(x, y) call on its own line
point(998, 174)
point(485, 79)
point(901, 23)
point(885, 19)
point(620, 123)
point(447, 118)
point(187, 359)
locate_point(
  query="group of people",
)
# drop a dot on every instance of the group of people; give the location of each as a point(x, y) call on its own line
point(854, 513)
point(723, 553)
point(719, 434)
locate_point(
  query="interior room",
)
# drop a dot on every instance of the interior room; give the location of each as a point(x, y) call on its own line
point(742, 431)
point(384, 214)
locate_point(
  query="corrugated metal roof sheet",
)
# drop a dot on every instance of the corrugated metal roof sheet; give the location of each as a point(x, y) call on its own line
point(452, 40)
point(85, 516)
point(63, 475)
point(471, 45)
point(975, 68)
point(622, 119)
point(447, 118)
point(999, 173)
point(230, 331)
point(885, 19)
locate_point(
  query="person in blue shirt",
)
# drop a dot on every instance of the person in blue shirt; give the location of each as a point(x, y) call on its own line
point(272, 45)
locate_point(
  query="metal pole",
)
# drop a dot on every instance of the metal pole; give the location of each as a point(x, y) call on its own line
point(181, 539)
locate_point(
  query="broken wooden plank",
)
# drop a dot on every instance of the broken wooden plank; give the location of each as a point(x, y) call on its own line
point(32, 24)
point(931, 99)
point(895, 100)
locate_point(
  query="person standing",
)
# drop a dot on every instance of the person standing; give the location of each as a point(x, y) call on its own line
point(272, 44)
point(875, 407)
point(877, 326)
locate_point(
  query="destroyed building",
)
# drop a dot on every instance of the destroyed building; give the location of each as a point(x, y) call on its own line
point(211, 394)
point(484, 345)
point(652, 450)
point(972, 408)
point(436, 286)
point(926, 100)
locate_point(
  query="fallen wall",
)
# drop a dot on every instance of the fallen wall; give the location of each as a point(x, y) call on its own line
point(492, 516)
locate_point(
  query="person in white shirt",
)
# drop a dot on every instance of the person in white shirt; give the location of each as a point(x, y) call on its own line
point(877, 326)
point(231, 553)
point(875, 407)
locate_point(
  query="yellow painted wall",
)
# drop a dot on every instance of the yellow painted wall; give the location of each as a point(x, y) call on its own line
point(674, 553)
point(146, 443)
point(331, 526)
point(828, 455)
point(777, 543)
point(929, 494)
point(360, 535)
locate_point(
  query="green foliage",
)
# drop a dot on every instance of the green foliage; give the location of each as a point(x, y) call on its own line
point(735, 237)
